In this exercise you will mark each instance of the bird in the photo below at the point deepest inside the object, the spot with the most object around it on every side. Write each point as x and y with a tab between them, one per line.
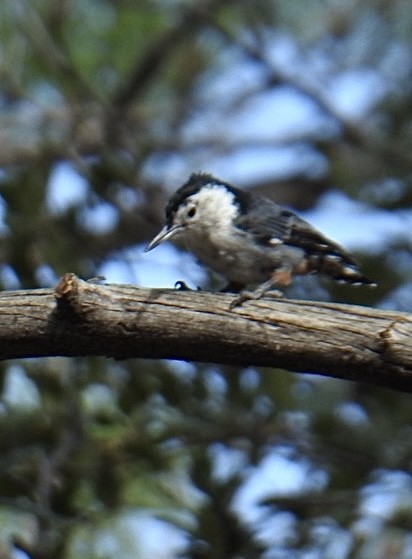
249	239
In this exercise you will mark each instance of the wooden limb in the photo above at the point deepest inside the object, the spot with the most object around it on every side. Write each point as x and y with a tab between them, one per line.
79	318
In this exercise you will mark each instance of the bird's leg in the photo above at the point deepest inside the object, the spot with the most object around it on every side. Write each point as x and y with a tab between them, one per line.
281	277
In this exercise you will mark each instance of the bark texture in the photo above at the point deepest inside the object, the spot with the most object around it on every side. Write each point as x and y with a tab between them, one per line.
78	318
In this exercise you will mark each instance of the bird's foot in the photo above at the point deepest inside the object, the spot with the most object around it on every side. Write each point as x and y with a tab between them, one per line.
182	286
258	293
97	279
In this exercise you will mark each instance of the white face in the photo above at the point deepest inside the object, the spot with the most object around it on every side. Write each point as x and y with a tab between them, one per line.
201	217
212	207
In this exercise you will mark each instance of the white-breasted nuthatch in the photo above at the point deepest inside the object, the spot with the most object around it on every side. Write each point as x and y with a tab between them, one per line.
249	239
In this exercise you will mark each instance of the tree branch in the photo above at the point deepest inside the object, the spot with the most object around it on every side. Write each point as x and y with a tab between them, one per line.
160	50
80	318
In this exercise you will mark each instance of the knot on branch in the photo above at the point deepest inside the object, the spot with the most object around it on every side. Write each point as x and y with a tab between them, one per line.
68	296
67	287
395	339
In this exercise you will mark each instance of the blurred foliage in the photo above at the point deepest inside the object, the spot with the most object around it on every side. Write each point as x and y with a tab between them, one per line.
129	97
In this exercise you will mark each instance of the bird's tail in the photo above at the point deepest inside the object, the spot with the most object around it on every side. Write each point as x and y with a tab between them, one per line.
342	268
325	256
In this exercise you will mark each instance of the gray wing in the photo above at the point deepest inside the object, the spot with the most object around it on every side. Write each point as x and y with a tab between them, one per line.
266	220
269	222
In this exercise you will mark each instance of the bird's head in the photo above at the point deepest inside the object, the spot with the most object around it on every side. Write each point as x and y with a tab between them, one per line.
202	204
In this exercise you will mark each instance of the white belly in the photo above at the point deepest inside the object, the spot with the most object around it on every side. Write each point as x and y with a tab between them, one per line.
239	259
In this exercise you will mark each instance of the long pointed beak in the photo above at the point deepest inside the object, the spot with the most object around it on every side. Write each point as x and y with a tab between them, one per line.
165	234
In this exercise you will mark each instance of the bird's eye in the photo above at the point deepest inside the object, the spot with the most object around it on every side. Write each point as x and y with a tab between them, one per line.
191	212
